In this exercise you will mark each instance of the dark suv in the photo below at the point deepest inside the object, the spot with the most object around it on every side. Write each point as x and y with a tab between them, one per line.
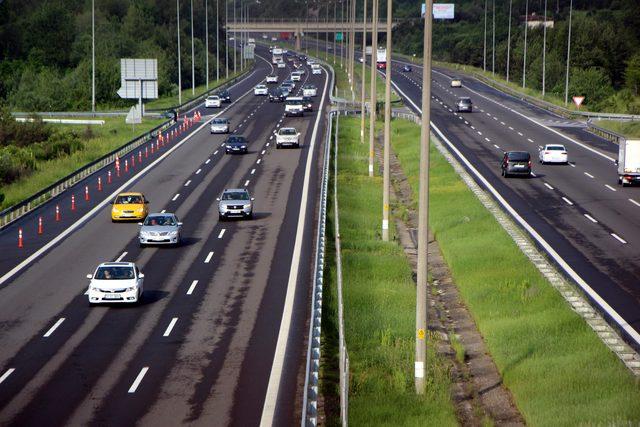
224	95
516	163
464	104
236	144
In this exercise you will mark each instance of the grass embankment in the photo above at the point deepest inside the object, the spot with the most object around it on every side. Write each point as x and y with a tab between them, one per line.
558	370
628	129
379	298
97	140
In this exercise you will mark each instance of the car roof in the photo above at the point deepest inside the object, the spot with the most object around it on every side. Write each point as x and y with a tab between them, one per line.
235	190
517	152
289	128
162	214
117	264
464	98
130	193
554	145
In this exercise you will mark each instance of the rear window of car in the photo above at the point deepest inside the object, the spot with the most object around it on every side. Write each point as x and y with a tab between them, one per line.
519	156
465	100
114	273
287	132
555	148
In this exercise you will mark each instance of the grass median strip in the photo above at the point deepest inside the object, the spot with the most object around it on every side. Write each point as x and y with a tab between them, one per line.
379	296
557	369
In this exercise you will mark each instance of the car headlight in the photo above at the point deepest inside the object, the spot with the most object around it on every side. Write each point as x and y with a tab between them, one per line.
144	233
131	288
94	289
140	209
243	146
173	233
116	209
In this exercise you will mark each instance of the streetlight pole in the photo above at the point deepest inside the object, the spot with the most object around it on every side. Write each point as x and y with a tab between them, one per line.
93	56
235	36
372	117
353	47
226	38
342	31
241	36
364	69
217	41
484	61
206	40
335	20
423	209
326	34
387	130
193	57
509	40
493	49
179	62
566	81
544	49
526	27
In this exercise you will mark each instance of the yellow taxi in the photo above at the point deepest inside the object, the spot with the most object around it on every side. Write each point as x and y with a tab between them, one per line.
129	206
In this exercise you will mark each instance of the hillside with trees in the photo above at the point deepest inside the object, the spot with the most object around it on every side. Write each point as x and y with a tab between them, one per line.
45	49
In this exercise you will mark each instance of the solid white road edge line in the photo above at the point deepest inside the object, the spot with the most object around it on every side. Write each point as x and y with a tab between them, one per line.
167	332
6	374
53	328
108	199
138	379
635	335
271	398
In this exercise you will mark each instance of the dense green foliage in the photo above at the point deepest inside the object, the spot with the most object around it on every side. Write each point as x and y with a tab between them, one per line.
45	49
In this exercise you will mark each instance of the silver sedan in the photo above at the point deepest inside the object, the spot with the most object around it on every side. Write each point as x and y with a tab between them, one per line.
160	229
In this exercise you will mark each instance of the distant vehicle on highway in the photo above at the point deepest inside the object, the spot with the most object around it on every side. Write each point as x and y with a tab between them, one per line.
296	76
407	68
281	65
309	90
456	83
278	94
294	106
129	206
236	144
160	229
628	162
272	78
287	136
274	39
464	104
553	153
213	101
261	90
516	163
225	95
235	203
220	125
115	282
315	69
289	83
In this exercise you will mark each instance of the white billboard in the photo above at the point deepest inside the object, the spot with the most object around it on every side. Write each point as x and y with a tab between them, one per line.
440	10
136	74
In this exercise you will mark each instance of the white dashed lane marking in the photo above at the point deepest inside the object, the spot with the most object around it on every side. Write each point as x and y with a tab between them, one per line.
634	202
138	380
610	187
246	183
221	233
208	258
548	186
124	254
198	171
589	175
186	184
175	197
215	152
208	160
618	238
253	171
53	328
192	287
163	211
167	332
590	218
258	161
6	375
569	202
497	146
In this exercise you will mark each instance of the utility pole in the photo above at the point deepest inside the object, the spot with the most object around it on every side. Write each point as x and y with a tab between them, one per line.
566	81
484	61
179	63
206	40
335	19
326	34
353	48
364	69
217	41
372	117
342	29
235	36
526	27
493	49
544	49
241	36
509	40
386	174
93	57
423	209
193	57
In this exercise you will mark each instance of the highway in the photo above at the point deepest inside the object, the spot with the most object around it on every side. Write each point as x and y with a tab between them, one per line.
200	347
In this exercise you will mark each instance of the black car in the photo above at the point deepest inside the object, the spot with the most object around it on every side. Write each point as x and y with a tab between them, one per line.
236	144
225	96
516	163
277	94
406	68
307	103
464	104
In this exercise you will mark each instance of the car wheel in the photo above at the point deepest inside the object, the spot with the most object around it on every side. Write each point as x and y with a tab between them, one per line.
250	216
278	146
142	245
297	145
221	218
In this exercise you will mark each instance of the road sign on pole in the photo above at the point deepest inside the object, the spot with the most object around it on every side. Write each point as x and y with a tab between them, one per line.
138	80
339	37
578	100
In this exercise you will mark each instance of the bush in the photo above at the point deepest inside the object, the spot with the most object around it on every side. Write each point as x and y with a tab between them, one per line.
14	163
593	83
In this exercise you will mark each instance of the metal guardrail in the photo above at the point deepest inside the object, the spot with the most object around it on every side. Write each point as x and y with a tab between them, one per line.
12	213
604	133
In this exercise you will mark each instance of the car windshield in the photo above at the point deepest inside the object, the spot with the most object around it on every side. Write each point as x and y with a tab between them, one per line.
519	156
288	83
235	195
465	101
129	200
160	220
114	273
555	148
288	131
219	121
294	101
236	140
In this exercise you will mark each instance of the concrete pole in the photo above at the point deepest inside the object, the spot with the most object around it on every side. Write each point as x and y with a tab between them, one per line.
217	40
493	49
484	62
544	50
353	47
364	69
342	32
193	57
423	210
226	37
372	117
509	40
179	63
93	56
387	130
206	40
566	80
335	19
241	35
326	34
526	28
235	37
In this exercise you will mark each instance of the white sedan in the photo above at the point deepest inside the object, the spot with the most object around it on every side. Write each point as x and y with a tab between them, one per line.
553	153
261	90
287	136
456	83
213	101
272	78
115	282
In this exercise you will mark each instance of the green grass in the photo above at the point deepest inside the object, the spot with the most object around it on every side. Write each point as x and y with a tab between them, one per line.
99	141
558	370
379	296
628	129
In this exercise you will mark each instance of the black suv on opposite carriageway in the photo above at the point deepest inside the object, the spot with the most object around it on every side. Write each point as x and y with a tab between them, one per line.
516	163
236	144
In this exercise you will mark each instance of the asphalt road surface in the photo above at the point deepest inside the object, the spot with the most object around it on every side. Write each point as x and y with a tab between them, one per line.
199	348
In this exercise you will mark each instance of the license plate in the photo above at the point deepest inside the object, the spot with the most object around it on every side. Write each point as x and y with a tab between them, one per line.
111	296
518	166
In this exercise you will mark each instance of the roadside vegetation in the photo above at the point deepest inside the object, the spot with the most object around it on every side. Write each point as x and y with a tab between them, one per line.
557	369
379	298
628	129
35	155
